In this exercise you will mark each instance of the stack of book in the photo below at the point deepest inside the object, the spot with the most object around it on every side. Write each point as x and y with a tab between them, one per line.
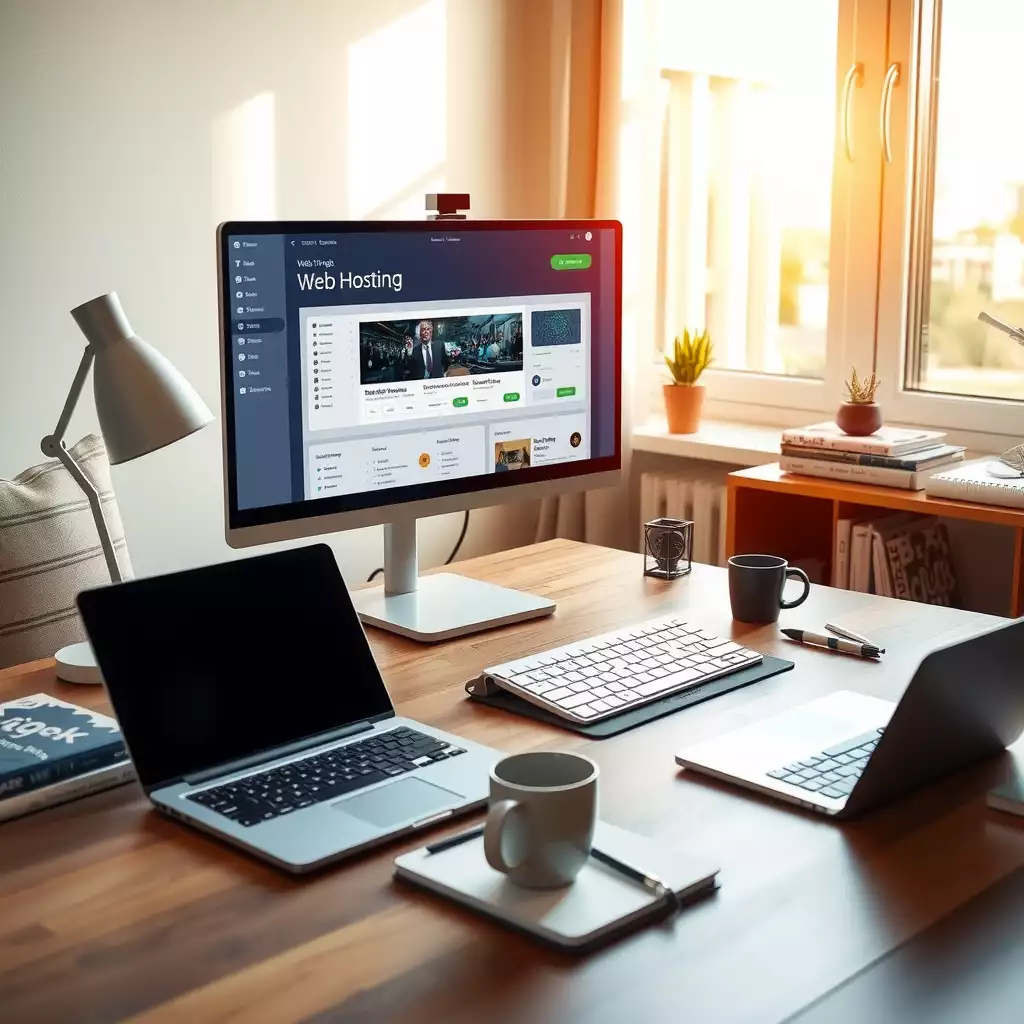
52	751
890	457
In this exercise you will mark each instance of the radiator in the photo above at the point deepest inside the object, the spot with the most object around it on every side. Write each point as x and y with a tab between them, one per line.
681	497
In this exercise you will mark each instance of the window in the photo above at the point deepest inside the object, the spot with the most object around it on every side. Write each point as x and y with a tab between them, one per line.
757	190
843	183
953	232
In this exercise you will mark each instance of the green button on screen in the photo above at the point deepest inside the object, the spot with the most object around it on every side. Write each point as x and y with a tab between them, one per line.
511	396
460	402
565	392
571	261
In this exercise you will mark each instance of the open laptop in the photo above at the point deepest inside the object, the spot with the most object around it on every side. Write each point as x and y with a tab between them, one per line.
847	753
253	710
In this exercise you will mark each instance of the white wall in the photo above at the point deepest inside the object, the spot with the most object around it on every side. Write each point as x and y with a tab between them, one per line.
130	128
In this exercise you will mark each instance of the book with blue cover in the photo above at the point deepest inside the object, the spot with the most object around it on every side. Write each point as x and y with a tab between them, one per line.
44	739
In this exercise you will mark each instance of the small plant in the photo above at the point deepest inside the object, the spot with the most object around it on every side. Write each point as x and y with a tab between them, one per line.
862	392
690	358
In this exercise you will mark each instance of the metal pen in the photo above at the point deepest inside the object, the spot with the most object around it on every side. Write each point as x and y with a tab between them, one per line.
848	634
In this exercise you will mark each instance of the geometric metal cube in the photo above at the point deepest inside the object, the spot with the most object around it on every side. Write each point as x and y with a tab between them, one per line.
668	548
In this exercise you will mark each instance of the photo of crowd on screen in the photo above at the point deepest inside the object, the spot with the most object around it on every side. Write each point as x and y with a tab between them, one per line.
448	346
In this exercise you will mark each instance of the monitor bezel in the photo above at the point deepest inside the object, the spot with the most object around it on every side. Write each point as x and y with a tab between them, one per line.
314	517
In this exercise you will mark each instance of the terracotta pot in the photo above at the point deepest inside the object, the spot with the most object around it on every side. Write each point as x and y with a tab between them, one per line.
683	403
859	420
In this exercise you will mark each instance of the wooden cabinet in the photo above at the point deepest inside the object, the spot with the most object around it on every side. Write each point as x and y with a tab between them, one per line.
795	516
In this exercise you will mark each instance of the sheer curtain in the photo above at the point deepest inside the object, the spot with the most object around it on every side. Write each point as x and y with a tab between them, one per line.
603	146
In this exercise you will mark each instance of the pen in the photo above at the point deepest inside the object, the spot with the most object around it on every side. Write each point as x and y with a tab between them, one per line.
848	634
650	882
805	636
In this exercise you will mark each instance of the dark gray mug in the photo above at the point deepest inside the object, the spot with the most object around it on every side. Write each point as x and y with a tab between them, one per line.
755	587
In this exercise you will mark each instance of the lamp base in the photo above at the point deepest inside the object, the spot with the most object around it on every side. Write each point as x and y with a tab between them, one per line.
77	664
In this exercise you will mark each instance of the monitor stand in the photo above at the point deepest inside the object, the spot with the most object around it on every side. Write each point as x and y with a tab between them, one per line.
439	606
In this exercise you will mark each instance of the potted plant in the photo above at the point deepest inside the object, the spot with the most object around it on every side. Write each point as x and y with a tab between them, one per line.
684	397
860	415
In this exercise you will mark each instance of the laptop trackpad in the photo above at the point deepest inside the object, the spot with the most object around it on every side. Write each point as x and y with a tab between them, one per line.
405	800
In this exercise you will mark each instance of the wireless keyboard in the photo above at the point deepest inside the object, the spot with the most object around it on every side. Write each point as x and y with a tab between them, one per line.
612	673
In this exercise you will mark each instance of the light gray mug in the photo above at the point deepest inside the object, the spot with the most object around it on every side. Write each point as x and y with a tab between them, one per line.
540	825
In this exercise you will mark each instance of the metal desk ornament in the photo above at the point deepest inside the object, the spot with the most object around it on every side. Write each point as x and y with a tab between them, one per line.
668	547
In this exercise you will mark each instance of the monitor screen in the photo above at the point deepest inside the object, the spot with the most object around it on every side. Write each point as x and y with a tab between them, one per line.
371	363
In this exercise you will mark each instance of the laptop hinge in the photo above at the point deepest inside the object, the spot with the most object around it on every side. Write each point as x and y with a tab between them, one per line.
274	753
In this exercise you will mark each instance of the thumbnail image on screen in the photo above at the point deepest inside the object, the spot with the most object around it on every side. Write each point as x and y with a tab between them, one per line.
512	455
555	327
449	346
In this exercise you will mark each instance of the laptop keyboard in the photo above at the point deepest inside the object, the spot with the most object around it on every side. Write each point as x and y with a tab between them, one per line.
609	674
290	787
833	772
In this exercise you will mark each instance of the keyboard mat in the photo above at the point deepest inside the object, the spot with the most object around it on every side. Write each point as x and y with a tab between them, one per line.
637	716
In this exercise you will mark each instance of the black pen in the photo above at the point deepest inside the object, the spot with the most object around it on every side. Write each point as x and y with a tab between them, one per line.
805	636
652	883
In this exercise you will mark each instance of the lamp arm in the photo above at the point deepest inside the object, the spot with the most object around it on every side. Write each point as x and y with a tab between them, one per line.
53	447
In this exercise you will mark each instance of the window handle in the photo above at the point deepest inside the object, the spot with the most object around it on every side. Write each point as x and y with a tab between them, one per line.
854	79
892	78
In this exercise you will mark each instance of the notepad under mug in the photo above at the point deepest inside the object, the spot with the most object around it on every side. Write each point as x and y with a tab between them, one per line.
599	906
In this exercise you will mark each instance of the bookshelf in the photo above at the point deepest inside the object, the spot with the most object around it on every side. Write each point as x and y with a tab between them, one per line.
795	516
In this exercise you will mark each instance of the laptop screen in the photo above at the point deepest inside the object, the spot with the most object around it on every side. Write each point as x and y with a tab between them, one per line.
215	664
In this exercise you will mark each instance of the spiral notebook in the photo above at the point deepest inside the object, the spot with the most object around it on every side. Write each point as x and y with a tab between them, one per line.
986	481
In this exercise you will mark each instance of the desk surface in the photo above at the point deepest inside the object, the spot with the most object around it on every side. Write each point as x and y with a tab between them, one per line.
108	910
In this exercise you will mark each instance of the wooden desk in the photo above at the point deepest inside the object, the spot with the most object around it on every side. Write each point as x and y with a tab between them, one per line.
108	910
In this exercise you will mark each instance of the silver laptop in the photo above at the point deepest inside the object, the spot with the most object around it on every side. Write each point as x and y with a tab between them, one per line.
253	709
847	753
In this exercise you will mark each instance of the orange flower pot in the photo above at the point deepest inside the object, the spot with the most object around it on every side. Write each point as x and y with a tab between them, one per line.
683	405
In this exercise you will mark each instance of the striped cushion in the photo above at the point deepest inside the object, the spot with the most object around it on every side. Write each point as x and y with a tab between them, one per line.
50	550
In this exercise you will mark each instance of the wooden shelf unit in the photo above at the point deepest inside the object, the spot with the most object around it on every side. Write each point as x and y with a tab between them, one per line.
795	516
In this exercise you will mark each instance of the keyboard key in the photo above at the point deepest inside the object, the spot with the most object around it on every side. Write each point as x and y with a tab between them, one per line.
581	687
614	700
572	677
851	744
646	677
600	705
812	784
830	777
615	686
833	792
828	765
575	700
810	762
557	695
778	773
600	691
849	771
584	711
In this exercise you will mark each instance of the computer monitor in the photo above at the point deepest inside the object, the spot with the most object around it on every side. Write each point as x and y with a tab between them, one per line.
374	372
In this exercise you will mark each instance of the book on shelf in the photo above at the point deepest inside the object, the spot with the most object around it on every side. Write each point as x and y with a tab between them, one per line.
841	557
889	441
927	458
899	555
903	479
985	481
44	740
72	788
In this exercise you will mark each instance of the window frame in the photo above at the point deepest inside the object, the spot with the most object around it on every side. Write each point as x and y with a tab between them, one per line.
853	247
905	241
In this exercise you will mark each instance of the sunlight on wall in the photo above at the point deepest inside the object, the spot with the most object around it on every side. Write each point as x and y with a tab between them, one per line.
397	119
244	178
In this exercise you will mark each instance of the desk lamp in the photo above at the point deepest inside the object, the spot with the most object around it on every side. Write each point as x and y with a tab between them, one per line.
143	404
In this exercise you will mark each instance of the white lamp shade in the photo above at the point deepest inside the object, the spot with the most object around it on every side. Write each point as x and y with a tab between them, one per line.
143	402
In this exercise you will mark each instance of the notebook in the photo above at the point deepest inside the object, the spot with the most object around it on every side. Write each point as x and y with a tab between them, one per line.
601	905
986	481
